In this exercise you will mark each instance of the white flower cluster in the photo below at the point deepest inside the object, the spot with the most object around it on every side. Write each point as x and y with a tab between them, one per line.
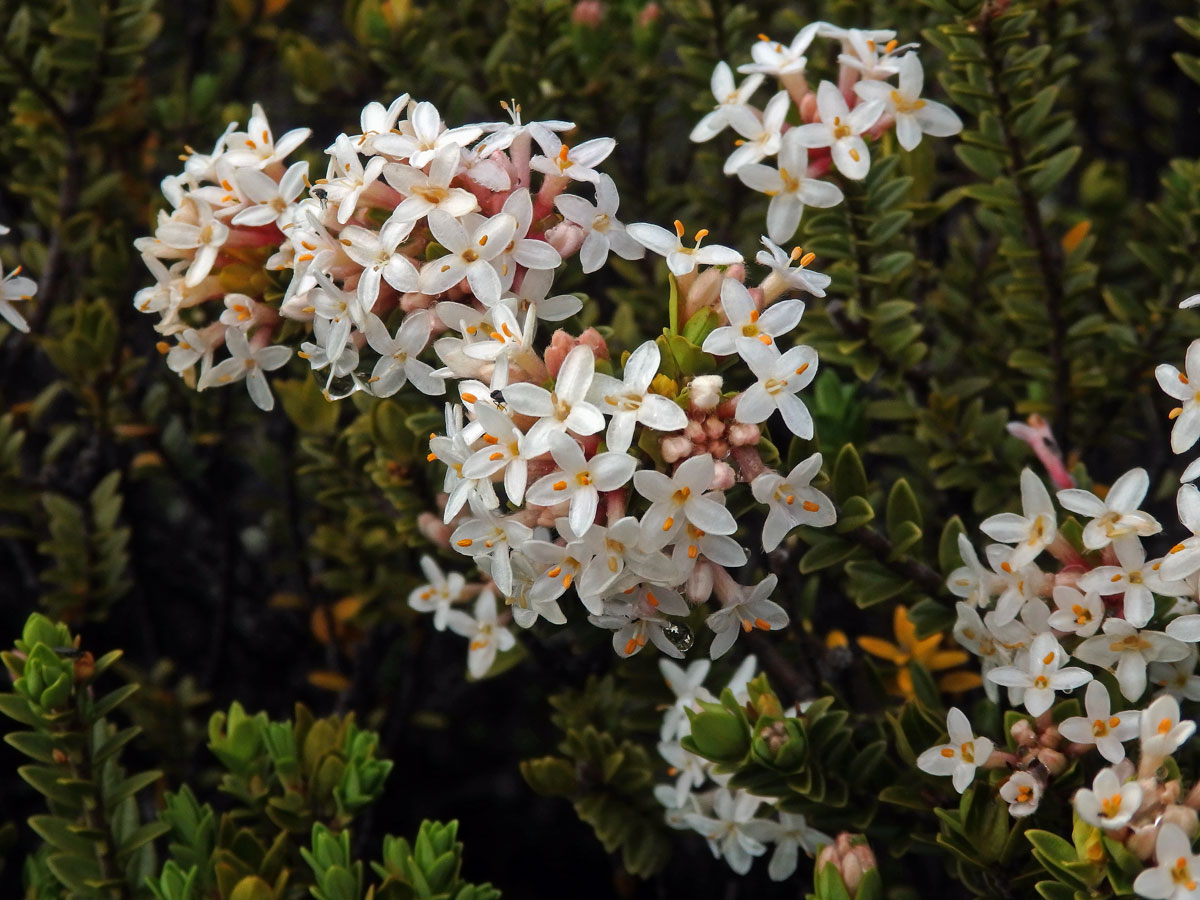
230	212
738	825
1111	608
14	288
836	118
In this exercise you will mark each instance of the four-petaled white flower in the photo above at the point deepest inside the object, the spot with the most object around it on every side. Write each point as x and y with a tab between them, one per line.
1177	871
1031	532
1117	514
577	163
471	254
761	134
1100	726
1130	651
1179	385
681	259
790	834
256	146
491	536
792	501
566	408
424	193
682	497
1133	579
483	630
789	187
628	400
913	115
688	687
785	275
729	96
579	481
377	253
604	233
15	288
1022	792
398	361
1076	613
781	60
840	129
1109	804
1042	675
425	136
753	610
1161	731
959	758
727	829
248	364
780	376
438	595
272	200
206	236
745	321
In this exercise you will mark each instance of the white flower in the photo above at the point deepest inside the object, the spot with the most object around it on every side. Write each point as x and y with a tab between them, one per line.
424	193
761	135
1017	586
206	237
579	481
438	594
558	566
256	147
492	536
1130	651
681	259
1042	675
1179	679
729	96
352	179
792	501
273	200
250	365
501	135
471	254
913	115
1177	870
693	543
641	619
1076	613
1100	726
1033	531
780	376
629	399
789	187
688	687
752	611
377	253
682	497
1183	559
192	346
532	253
690	771
532	295
1109	804
577	163
745	321
505	447
425	136
566	408
526	610
1117	514
785	275
376	120
15	288
971	581
959	758
1162	732
773	58
1133	580
487	637
1022	793
726	829
789	835
840	128
398	361
603	232
1179	385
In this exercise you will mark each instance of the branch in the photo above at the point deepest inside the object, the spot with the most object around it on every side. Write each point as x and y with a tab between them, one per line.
907	567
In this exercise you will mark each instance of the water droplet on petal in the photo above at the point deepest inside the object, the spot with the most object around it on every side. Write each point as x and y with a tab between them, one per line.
679	635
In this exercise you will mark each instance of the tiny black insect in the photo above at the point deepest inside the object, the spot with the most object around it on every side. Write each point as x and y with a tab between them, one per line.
498	396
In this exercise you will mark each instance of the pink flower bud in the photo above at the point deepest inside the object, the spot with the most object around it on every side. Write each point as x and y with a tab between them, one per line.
723	476
650	13
675	448
566	238
694	431
704	391
589	13
1141	842
699	585
561	344
851	856
705	291
742	435
594	339
433	529
1183	816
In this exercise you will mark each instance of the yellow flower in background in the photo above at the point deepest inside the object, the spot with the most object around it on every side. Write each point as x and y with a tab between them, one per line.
928	652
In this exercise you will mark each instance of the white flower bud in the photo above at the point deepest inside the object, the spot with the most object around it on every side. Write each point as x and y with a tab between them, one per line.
705	391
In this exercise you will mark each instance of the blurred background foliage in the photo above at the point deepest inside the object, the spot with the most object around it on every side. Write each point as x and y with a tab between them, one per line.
1031	265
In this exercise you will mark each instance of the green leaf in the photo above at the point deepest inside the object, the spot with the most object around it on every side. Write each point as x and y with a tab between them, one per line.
902	506
849	477
1054	170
